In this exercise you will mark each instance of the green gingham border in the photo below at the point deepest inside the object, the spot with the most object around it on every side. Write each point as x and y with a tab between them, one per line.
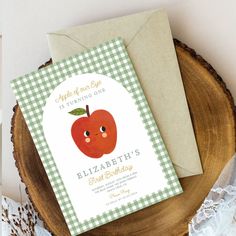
32	90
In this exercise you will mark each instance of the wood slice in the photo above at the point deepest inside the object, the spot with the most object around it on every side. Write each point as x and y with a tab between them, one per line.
212	111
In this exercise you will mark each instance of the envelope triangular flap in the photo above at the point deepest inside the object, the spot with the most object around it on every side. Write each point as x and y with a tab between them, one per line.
84	35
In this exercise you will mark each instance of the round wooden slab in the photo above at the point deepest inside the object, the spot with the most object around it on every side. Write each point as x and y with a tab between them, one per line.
212	112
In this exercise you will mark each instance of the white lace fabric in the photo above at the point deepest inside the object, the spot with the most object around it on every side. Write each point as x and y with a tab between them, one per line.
217	214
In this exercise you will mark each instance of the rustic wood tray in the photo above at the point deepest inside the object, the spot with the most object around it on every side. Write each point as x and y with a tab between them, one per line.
212	111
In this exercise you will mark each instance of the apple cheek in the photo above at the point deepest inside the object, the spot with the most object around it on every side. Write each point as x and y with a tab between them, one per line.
87	140
104	135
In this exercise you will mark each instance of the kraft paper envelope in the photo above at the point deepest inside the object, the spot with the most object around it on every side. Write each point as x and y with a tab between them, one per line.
148	39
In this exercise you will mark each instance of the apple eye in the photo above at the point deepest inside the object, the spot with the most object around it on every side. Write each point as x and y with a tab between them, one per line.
86	133
102	129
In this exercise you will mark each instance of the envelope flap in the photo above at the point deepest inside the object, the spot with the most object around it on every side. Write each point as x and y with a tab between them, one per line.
126	26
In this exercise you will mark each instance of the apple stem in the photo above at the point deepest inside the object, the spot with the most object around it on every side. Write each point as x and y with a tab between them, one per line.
87	110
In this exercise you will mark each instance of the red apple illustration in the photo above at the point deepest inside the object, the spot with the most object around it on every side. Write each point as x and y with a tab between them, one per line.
96	134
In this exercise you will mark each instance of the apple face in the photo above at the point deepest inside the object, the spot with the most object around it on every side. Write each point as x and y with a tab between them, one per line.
96	134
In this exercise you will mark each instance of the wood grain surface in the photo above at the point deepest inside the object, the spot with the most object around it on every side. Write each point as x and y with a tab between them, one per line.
212	112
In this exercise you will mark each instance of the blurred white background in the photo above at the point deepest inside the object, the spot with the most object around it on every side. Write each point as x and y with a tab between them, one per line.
208	26
0	98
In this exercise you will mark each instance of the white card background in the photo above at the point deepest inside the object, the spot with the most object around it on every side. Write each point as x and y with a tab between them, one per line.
131	136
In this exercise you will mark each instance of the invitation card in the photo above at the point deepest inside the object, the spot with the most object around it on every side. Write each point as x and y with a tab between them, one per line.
96	136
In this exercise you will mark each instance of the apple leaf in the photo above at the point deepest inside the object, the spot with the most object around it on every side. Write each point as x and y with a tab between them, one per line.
78	112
